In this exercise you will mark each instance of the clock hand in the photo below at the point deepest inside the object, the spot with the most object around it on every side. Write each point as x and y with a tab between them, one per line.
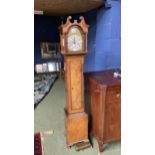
74	39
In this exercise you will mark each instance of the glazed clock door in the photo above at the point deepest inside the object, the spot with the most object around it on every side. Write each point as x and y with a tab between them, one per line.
75	39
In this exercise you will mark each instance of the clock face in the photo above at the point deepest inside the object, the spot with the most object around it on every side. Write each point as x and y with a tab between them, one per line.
74	40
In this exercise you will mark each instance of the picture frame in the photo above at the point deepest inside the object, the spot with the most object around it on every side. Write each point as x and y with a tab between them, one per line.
52	67
45	67
49	50
39	68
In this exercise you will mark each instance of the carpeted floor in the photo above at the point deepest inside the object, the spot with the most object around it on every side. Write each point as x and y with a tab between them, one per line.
42	87
49	115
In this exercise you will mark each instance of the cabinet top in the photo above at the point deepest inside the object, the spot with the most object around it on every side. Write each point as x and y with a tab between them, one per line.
105	77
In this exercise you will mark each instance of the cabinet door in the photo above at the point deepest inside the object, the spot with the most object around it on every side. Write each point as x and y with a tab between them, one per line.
113	114
74	84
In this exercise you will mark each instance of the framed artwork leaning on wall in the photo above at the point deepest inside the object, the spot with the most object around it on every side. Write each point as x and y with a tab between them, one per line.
49	50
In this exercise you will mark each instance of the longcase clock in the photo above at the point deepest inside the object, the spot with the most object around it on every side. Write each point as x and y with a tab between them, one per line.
73	41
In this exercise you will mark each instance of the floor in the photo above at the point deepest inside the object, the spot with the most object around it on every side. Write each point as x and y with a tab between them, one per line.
49	116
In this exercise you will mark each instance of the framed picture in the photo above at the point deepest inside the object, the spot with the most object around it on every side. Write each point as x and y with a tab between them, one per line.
52	67
45	68
49	50
39	68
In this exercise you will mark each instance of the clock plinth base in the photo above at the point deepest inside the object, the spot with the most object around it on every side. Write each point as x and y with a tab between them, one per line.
76	128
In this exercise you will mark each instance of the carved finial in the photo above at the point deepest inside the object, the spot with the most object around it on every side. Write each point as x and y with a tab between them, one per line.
83	21
68	19
82	18
75	21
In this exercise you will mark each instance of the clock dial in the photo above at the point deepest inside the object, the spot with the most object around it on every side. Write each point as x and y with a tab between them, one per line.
74	40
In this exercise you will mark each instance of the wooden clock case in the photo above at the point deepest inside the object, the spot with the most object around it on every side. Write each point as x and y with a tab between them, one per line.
76	120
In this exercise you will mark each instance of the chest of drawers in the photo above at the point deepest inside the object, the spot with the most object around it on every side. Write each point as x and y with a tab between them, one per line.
105	102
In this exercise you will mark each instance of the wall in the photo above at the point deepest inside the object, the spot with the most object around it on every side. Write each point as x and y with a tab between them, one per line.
104	37
45	30
90	19
108	37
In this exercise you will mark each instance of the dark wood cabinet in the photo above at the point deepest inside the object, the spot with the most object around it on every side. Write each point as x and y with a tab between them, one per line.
105	99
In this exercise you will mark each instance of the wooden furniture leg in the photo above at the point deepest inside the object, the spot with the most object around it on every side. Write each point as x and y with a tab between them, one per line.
101	146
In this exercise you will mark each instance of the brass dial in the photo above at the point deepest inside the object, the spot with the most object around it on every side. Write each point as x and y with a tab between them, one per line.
74	40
